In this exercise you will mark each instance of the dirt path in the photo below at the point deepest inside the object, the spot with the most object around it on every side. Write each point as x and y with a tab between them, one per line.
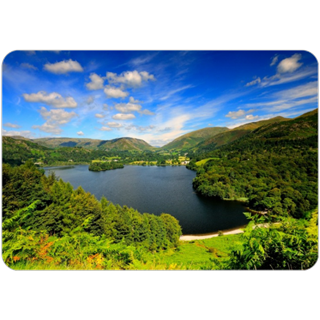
189	237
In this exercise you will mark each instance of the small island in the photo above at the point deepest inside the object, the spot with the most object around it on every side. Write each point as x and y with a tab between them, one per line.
105	165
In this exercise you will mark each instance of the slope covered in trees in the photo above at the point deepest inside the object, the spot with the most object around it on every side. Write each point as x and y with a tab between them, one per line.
274	166
45	220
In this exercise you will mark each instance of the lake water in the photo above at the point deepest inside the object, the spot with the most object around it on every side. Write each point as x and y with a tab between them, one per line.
157	190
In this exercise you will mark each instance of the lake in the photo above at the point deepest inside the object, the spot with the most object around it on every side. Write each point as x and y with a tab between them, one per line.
157	190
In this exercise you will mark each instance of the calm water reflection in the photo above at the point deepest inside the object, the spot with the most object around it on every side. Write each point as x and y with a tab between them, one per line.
156	190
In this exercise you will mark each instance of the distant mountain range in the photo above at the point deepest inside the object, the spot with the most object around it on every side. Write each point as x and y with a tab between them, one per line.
199	141
119	144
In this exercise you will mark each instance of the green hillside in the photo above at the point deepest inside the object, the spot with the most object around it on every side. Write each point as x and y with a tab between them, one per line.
191	139
274	166
120	144
17	150
123	144
233	134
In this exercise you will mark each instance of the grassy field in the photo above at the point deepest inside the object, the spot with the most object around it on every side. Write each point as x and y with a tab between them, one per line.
194	254
203	161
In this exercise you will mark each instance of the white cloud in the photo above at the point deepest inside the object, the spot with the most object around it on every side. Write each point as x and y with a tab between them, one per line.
289	64
251	117
63	67
105	129
140	128
253	82
172	92
55	118
99	115
236	114
146	112
113	92
96	82
131	79
127	107
274	60
28	66
80	133
49	128
132	100
105	106
132	107
122	116
114	124
90	99
11	125
53	99
305	94
305	90
27	134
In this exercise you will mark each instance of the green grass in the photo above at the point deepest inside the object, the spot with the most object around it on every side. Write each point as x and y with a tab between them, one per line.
194	254
203	161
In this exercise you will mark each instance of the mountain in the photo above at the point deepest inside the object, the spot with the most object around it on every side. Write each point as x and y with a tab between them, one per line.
15	150
233	134
120	144
191	139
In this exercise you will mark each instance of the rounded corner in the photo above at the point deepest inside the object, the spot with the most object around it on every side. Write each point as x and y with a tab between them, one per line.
11	269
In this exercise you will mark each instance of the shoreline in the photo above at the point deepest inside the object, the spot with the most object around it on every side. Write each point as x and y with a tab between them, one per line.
190	237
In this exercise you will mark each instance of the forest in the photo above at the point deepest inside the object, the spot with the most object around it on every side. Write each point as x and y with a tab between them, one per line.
46	224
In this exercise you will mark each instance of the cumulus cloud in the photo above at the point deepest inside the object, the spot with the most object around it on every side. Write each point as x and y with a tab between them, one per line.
132	100
122	116
53	99
289	64
27	134
105	106
99	115
114	124
105	129
54	119
127	107
131	79
132	107
63	67
11	125
49	128
96	82
80	133
113	92
251	117
236	114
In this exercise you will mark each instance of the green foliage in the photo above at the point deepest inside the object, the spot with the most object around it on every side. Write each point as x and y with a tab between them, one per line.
103	166
275	167
288	245
50	225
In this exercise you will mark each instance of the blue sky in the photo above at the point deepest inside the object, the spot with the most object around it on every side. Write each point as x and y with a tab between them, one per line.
152	95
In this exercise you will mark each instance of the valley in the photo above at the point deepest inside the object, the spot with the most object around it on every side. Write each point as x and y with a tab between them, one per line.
270	166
